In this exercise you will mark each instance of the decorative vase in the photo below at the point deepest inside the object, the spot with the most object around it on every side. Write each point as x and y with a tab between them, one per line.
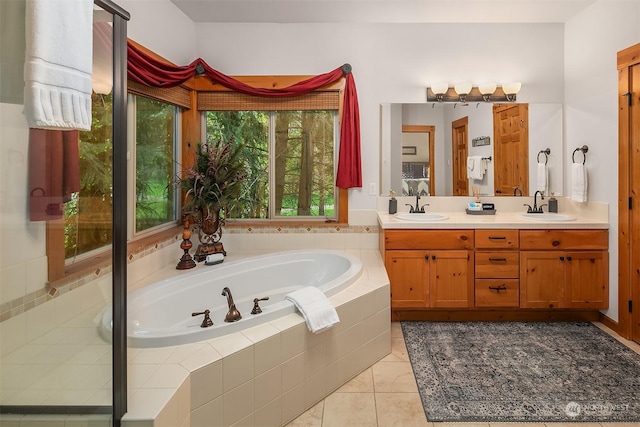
209	226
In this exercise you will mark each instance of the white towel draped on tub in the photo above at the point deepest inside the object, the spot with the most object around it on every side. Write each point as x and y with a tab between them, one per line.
58	62
542	178
578	182
315	307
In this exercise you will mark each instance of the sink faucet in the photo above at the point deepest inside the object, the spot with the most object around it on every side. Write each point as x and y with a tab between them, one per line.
517	190
233	315
537	209
418	208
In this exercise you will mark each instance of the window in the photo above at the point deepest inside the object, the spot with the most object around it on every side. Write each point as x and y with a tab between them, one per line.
290	161
153	201
155	165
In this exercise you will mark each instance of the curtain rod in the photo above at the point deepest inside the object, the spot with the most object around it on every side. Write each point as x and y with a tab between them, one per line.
113	8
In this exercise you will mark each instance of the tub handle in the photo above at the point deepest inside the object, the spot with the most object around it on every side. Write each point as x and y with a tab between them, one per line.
206	322
256	306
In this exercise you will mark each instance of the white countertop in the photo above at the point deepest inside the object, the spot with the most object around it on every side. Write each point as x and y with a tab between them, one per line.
499	220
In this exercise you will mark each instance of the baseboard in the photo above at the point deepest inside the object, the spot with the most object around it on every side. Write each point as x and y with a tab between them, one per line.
610	323
515	315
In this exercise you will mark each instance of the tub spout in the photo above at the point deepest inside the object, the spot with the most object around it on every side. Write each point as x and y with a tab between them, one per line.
233	315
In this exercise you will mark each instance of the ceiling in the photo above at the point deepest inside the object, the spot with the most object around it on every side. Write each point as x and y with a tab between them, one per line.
382	11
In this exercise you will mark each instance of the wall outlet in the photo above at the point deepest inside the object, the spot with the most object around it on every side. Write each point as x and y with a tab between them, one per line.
372	189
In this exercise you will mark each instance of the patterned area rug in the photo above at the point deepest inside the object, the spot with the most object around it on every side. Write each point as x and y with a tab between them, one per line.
522	372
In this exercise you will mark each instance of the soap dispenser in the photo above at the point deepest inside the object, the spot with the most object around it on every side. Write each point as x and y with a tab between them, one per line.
553	204
393	202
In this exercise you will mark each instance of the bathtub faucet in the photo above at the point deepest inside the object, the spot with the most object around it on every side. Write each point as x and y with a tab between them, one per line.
233	315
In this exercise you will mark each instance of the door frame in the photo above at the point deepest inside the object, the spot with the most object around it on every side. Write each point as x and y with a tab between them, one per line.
628	218
431	130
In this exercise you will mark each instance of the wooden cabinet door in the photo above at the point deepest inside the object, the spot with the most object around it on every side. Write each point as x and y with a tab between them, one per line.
541	279
451	280
409	276
586	279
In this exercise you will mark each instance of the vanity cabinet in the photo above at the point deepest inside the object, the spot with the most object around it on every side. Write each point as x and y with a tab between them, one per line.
429	268
497	268
564	269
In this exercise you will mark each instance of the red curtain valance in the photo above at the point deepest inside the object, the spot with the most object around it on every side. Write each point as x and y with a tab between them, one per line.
147	70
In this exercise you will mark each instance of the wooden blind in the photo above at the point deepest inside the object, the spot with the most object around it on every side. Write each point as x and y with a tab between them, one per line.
233	101
178	96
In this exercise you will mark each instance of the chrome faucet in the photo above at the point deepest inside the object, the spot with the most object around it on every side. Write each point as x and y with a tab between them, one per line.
233	315
418	208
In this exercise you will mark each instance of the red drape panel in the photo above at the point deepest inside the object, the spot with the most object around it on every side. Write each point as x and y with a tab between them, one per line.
149	71
53	172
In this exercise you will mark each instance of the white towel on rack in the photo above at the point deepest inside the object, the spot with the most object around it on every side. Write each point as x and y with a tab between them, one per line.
476	167
578	182
542	178
58	62
315	307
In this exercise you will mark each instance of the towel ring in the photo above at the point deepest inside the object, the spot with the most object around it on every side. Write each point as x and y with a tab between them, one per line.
546	155
584	150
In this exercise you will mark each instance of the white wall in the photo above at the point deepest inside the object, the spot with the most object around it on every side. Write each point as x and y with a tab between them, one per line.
160	26
592	40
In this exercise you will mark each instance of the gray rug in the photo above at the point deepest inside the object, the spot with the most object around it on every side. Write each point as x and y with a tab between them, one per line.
522	372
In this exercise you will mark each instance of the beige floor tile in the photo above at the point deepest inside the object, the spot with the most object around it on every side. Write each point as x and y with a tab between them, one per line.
466	424
362	383
311	418
398	351
394	377
349	410
396	330
400	410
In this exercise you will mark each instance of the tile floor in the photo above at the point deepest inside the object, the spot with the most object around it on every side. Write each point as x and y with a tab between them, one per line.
386	395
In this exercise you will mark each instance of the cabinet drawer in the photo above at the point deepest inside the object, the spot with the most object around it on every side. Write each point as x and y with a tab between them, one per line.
497	292
496	265
564	239
496	239
428	239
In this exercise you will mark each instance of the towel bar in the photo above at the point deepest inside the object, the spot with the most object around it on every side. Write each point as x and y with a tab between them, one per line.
584	150
546	155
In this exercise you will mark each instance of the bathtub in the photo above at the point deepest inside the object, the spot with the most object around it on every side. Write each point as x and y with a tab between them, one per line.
159	315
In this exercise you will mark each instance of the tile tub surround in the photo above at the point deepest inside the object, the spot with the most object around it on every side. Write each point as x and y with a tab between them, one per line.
266	375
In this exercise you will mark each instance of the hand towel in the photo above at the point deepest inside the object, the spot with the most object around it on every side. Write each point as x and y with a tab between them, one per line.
58	61
542	178
476	167
578	182
315	307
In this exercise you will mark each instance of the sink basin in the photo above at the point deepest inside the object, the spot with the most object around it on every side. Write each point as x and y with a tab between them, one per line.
420	217
552	217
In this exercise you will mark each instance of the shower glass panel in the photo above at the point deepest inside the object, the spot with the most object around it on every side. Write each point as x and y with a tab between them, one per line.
57	275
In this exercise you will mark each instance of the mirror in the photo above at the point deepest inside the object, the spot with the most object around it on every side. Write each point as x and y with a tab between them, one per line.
403	171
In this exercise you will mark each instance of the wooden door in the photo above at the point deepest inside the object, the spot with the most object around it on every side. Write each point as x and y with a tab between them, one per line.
511	150
541	279
586	277
451	280
459	142
628	187
408	275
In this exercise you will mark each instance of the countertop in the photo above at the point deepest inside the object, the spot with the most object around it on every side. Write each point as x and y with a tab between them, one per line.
499	220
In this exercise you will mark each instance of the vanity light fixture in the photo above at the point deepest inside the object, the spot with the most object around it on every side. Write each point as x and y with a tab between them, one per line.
466	92
462	89
439	90
486	90
511	90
